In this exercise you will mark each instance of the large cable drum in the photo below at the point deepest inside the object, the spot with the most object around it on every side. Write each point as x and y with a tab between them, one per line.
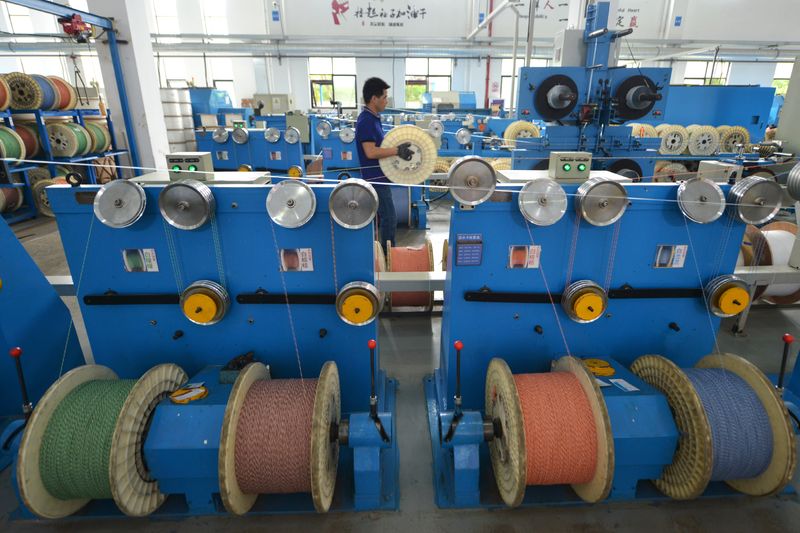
423	159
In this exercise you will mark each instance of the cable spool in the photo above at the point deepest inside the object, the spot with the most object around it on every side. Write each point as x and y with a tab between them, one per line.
291	203
29	134
542	201
358	303
280	436
701	200
703	140
722	130
99	137
186	204
84	140
601	201
419	168
554	430
472	180
37	174
120	203
410	259
84	441
25	92
353	203
501	163
755	200
733	426
670	171
584	301
50	95
643	130
727	296
67	95
11	199
5	94
635	97
39	193
772	246
520	129
64	140
442	165
674	139
734	136
205	302
105	169
627	168
12	145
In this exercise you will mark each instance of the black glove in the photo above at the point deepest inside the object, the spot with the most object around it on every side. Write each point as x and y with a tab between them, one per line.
404	151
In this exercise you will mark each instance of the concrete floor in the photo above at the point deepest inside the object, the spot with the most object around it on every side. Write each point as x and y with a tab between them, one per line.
410	346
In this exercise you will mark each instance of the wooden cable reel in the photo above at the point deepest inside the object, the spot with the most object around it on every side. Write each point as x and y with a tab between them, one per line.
422	163
520	129
643	130
670	171
410	259
25	92
501	163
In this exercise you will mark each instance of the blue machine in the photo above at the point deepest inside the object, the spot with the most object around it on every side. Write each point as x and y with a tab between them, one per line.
295	338
259	149
466	101
208	101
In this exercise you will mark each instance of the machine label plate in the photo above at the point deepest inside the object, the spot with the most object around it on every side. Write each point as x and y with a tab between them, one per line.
670	256
469	249
275	156
136	260
524	256
297	260
347	156
624	385
327	153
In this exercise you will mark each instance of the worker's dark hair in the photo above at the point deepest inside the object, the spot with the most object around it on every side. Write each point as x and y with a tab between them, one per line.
373	87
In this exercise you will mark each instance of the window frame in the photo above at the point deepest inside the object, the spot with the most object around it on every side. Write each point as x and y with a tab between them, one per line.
708	80
331	79
782	90
231	94
416	80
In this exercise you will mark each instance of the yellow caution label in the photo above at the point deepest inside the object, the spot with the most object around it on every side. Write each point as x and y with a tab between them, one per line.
200	308
599	367
733	300
588	306
357	308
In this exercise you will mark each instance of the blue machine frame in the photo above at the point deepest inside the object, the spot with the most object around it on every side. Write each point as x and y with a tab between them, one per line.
257	153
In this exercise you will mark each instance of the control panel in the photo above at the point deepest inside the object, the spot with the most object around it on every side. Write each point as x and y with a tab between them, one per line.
195	165
570	165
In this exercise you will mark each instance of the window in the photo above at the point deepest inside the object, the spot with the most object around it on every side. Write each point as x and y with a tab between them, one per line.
706	73
783	72
227	85
176	84
507	73
426	75
332	79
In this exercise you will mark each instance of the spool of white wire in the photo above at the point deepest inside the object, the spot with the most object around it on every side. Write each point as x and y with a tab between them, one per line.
780	242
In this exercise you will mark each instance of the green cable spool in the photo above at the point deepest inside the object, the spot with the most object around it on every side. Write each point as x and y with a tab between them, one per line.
74	460
99	140
84	144
10	145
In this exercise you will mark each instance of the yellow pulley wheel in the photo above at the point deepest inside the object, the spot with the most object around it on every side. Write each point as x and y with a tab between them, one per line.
727	296
584	301
200	308
295	172
733	300
588	306
205	302
357	308
358	303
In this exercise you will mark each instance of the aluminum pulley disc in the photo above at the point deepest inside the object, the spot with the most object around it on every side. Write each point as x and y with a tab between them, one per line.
347	135
240	135
472	180
703	140
701	200
323	128
272	135
463	136
756	200
542	201
601	201
423	159
792	182
186	204
291	135
353	203
220	135
120	203
291	203
436	129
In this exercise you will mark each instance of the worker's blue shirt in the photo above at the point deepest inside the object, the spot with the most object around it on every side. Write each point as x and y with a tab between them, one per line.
369	129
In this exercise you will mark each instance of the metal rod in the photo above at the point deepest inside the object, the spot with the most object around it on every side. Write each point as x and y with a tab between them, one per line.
787	341
480	27
458	346
373	398
123	100
531	21
511	104
27	406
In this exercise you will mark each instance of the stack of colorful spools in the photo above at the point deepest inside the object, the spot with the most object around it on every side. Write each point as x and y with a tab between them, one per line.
29	92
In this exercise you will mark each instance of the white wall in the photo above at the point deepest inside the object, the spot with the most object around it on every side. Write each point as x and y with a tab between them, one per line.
752	74
390	70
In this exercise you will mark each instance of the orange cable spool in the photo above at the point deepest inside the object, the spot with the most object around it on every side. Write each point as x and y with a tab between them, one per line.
62	91
5	95
410	259
29	137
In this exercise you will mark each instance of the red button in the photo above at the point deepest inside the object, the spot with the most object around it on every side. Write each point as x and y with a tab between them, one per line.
458	345
15	352
372	344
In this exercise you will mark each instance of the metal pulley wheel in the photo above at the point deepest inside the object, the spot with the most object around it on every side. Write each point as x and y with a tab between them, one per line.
463	136
120	203
727	296
601	201
701	200
205	302
542	201
472	180
291	135
323	128
584	301
348	135
240	135
272	135
358	303
353	203
793	182
703	140
674	139
423	158
436	129
186	204
291	203
220	135
755	200
556	97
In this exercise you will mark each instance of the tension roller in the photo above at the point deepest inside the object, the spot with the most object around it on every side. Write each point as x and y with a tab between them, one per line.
727	296
601	201
186	204
732	423
423	159
84	442
120	203
205	302
549	429
755	200
358	303
221	135
472	180
584	301
542	201
291	204
353	203
701	200
280	436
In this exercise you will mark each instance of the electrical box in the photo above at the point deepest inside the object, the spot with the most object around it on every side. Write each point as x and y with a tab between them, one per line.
185	165
569	50
719	171
570	165
273	103
299	120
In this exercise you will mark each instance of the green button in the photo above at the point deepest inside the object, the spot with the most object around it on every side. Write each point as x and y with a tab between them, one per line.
567	167
581	167
176	168
192	168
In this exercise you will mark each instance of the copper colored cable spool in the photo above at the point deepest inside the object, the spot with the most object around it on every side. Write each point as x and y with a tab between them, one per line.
755	251
280	436
30	137
5	95
519	257
410	259
10	199
67	95
555	430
